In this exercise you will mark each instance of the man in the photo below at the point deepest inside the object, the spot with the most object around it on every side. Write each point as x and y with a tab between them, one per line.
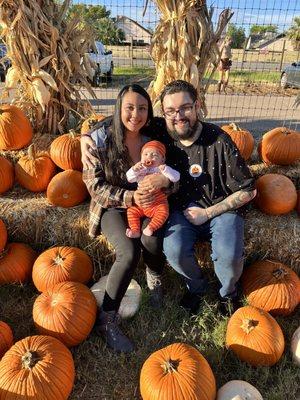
215	182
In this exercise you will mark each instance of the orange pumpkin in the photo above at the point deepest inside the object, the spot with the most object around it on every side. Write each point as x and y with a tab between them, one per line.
276	194
65	151
3	235
15	128
6	338
37	367
16	263
177	372
6	175
67	311
271	286
90	122
255	336
34	171
280	146
61	264
242	138
67	189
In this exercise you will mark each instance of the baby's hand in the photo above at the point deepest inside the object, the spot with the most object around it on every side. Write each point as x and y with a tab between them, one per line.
162	167
138	166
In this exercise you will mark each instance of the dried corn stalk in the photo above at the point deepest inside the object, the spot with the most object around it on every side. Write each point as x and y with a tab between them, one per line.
48	65
184	45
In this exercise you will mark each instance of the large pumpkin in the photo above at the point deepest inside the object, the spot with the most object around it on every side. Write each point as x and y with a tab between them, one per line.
276	194
295	346
90	122
16	263
67	189
177	372
255	336
242	138
3	235
15	128
6	338
280	146
6	175
67	311
65	151
238	390
37	368
272	286
34	171
61	264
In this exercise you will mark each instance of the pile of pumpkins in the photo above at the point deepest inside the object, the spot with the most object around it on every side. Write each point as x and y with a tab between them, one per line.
36	171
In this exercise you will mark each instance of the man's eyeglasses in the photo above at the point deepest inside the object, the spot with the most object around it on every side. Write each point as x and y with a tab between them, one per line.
184	110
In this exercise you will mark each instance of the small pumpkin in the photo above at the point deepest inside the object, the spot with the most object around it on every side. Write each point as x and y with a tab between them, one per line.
16	263
177	372
61	264
242	138
255	336
295	346
35	170
238	390
15	128
37	367
90	122
130	302
276	194
67	189
271	286
6	338
6	175
280	146
66	311
65	151
3	235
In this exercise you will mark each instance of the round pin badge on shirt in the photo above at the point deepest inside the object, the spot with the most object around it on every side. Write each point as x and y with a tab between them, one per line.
195	170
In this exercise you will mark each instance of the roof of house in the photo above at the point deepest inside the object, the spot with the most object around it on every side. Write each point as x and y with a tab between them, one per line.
123	17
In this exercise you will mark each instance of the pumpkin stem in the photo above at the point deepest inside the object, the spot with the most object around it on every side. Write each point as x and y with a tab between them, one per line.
31	152
279	273
59	260
72	133
234	126
248	325
29	359
170	366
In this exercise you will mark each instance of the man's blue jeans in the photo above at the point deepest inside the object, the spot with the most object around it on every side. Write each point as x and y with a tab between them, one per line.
226	235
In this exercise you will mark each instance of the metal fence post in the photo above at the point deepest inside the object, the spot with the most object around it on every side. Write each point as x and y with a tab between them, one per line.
282	55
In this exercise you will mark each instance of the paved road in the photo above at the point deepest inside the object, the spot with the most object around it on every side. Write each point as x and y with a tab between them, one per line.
237	65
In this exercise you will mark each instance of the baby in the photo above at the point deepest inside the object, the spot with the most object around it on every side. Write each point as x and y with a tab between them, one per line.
152	162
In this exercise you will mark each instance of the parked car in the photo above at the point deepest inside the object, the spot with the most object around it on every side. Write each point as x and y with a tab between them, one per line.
4	65
290	76
103	62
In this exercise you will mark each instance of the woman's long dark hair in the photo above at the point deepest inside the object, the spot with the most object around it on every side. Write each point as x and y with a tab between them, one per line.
118	160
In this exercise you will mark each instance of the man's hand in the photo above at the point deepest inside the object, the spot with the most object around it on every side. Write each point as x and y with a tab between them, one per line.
142	198
152	183
196	215
87	144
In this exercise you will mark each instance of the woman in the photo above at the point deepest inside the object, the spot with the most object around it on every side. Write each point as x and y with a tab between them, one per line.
119	142
225	64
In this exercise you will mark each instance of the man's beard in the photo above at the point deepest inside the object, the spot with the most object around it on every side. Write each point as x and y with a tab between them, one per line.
188	134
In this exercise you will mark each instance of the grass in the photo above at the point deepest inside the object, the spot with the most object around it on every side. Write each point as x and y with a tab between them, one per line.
101	374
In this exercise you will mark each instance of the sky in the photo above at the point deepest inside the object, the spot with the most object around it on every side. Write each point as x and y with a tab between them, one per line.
246	12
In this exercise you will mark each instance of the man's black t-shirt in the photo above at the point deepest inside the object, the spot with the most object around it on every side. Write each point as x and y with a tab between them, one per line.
210	169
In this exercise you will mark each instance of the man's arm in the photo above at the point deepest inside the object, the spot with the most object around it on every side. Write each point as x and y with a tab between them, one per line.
198	215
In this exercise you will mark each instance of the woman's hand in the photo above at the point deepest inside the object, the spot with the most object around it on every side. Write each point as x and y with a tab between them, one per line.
152	183
87	144
143	199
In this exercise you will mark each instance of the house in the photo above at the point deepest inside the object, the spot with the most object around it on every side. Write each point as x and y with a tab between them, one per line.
133	31
273	42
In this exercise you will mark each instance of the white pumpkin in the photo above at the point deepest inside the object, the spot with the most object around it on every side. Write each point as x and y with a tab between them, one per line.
295	346
130	302
238	390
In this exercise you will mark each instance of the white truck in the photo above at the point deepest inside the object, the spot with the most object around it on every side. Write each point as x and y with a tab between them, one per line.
101	62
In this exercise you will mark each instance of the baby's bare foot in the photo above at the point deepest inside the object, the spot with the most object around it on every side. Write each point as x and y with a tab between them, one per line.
133	234
148	231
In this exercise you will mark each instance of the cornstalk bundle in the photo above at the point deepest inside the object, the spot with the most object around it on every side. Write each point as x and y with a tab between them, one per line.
48	63
184	45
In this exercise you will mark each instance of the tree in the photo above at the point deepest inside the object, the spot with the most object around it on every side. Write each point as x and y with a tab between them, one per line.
261	29
294	33
98	17
238	36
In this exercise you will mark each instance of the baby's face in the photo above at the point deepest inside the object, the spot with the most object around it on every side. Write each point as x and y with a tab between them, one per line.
151	157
